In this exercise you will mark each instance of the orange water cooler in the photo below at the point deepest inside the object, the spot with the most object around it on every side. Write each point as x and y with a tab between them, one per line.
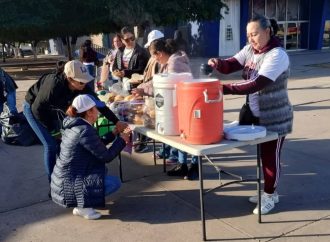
200	109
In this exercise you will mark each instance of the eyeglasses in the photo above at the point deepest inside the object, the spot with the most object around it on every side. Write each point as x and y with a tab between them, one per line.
129	38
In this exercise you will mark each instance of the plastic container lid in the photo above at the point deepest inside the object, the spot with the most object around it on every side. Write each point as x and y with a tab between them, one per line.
245	132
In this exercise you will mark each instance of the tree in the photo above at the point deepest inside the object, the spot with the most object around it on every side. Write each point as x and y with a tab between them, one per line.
36	20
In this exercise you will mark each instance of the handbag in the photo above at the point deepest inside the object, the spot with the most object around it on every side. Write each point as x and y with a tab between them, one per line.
246	116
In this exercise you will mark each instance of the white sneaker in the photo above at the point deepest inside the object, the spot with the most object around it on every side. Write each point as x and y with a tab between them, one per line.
254	199
87	213
267	204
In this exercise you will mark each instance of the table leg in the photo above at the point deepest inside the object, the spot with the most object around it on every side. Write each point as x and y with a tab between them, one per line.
201	195
259	183
154	150
164	158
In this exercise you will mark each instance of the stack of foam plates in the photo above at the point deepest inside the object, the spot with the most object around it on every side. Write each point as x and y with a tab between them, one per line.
245	132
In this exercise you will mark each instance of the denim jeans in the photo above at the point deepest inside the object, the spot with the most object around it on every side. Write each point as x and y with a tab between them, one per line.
176	155
111	184
169	153
182	158
11	102
47	140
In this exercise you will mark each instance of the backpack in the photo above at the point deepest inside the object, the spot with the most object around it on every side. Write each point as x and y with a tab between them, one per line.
15	129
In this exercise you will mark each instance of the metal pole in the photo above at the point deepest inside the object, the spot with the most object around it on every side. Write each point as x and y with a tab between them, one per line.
164	158
259	183
154	150
201	195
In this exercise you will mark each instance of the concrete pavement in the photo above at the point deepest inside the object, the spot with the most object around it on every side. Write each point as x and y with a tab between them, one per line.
153	207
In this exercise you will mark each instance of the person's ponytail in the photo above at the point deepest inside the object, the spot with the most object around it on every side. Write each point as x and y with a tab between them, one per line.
71	111
171	46
274	26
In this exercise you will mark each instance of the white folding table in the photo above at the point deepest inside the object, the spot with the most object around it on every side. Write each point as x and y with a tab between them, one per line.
206	150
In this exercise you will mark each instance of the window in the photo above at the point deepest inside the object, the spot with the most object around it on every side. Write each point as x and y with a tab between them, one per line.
292	10
281	7
281	33
304	7
293	19
292	36
259	7
271	9
229	33
326	34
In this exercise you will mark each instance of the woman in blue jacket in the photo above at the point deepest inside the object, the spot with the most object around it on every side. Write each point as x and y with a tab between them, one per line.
79	177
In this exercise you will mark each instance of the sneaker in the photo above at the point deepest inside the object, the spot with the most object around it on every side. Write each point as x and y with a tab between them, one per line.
141	148
254	199
267	204
179	170
193	172
87	213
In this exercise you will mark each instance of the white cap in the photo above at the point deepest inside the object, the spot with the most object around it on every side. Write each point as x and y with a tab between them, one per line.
153	35
83	103
77	71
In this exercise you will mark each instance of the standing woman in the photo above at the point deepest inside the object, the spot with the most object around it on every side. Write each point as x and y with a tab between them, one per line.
173	60
130	59
79	178
88	57
109	59
265	66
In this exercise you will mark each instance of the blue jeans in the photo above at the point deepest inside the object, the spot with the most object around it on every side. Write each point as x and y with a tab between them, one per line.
176	155
169	153
11	102
47	140
182	158
111	184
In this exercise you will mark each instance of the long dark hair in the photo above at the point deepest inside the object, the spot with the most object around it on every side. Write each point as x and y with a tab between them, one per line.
265	23
118	36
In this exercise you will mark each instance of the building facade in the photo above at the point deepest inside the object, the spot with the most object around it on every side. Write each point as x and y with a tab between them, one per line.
303	25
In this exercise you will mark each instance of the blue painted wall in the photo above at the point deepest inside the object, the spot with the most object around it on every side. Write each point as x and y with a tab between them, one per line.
317	20
244	20
169	32
210	38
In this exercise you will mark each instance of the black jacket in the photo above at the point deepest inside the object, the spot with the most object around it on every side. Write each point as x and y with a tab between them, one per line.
51	95
137	63
78	176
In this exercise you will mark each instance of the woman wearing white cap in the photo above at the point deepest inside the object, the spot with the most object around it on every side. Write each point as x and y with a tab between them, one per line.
152	68
146	87
51	95
79	178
